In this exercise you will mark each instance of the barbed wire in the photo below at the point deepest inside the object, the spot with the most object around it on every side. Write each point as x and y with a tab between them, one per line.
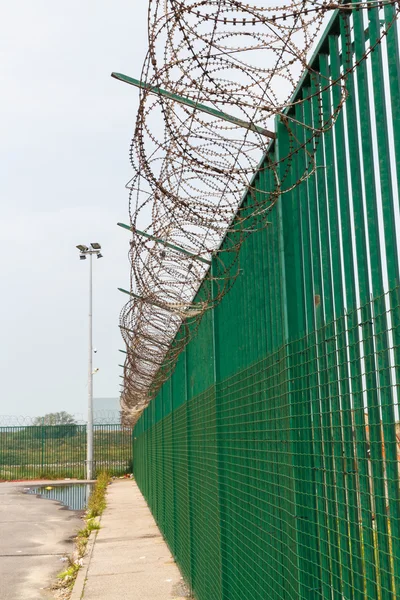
228	70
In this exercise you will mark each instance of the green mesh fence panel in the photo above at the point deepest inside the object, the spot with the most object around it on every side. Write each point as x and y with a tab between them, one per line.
270	459
272	486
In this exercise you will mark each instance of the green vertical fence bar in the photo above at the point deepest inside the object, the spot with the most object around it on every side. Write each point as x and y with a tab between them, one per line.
353	330
223	575
392	263
346	296
189	474
270	399
374	413
300	424
160	453
274	300
313	316
278	360
313	117
168	476
181	490
393	59
318	366
325	315
336	289
173	539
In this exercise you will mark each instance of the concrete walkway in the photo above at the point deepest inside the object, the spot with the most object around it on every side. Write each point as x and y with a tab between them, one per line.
130	559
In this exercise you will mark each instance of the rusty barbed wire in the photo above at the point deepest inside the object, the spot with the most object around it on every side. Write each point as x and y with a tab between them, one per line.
191	168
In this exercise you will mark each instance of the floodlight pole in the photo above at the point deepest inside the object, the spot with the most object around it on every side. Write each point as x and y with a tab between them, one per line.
89	456
84	251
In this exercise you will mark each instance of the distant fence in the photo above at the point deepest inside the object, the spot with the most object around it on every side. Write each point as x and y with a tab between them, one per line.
60	451
270	457
100	417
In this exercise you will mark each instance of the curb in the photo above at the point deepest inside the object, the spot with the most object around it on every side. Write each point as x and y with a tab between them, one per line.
80	581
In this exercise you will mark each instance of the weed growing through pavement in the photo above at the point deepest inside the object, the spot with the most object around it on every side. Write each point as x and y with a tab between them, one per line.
96	506
97	500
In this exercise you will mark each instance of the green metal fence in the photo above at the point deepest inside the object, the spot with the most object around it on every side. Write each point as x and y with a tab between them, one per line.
60	451
270	457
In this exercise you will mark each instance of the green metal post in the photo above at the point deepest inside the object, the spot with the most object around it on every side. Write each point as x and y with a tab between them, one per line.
219	444
313	291
346	296
374	417
191	499
326	315
300	422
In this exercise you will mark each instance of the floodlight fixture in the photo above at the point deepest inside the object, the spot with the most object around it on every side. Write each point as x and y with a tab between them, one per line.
82	257
99	255
95	246
82	248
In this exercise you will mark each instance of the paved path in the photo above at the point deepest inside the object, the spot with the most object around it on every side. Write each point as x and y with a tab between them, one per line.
130	560
34	535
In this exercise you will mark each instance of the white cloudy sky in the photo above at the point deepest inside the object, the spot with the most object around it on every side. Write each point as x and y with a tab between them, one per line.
65	129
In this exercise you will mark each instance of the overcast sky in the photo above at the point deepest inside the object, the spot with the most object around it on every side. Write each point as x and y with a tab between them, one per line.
65	129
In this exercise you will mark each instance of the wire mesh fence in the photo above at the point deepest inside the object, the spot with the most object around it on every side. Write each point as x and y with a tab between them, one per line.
270	458
59	451
282	480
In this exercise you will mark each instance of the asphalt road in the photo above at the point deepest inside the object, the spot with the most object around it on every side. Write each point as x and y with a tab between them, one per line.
35	534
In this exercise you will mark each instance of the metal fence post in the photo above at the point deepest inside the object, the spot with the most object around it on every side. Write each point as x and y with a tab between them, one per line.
301	426
219	440
191	503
